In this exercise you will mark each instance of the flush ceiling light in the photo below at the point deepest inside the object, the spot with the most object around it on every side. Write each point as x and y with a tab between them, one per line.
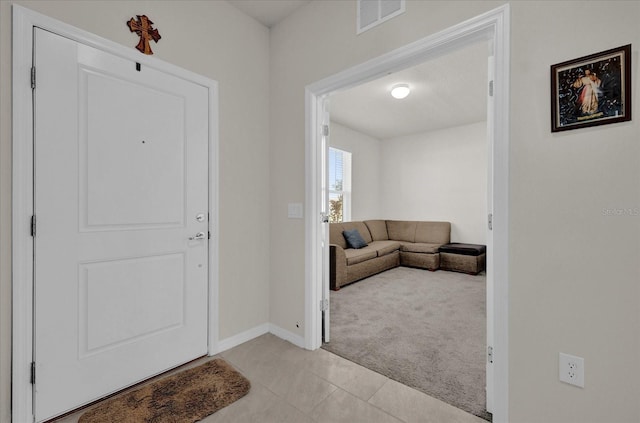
400	91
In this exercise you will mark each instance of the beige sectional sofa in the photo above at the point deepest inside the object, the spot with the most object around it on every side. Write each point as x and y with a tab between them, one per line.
391	243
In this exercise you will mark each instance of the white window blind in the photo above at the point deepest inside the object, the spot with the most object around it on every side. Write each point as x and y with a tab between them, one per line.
339	185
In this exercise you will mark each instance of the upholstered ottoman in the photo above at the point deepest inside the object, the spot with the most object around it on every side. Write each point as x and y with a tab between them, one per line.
466	258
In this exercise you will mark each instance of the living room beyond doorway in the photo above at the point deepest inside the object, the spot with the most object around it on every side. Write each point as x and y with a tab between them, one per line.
431	173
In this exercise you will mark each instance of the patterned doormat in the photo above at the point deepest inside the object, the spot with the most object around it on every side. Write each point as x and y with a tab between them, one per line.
184	397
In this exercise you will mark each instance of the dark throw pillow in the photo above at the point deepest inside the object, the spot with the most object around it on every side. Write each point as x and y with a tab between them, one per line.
354	239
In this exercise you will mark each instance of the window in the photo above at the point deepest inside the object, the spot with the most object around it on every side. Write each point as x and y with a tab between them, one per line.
339	185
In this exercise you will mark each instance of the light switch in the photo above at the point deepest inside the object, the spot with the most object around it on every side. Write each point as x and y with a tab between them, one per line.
295	211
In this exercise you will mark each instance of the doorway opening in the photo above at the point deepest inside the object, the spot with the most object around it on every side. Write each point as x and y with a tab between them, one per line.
422	158
492	27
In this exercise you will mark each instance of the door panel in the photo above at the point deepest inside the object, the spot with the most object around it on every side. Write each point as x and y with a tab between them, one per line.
151	299
121	171
489	265
324	117
119	134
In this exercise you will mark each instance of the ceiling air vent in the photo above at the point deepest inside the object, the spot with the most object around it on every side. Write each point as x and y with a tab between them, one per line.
374	12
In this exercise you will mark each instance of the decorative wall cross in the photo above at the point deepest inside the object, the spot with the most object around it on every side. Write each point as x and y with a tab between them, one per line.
143	28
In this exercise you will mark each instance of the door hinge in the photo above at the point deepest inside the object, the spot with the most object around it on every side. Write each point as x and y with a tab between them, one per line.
490	221
209	234
490	354
491	88
324	305
33	373
325	130
33	225
33	77
324	217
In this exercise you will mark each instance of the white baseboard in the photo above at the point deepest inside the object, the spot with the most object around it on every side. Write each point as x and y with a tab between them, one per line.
241	338
296	340
248	335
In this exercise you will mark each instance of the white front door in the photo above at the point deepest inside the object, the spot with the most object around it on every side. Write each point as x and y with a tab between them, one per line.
120	187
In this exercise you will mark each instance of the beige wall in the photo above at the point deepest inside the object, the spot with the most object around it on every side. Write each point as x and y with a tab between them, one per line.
574	283
212	39
567	295
438	175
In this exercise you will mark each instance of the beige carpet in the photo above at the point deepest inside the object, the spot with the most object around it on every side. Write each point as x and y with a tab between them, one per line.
424	329
184	397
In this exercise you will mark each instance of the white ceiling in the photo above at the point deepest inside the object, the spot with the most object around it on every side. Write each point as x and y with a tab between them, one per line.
268	12
448	91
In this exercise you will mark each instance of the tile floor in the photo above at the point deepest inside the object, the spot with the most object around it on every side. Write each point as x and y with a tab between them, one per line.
293	385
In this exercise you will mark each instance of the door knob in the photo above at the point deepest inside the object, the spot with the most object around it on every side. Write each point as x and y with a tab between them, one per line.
199	235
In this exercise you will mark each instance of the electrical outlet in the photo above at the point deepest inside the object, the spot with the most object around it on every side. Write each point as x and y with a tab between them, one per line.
572	370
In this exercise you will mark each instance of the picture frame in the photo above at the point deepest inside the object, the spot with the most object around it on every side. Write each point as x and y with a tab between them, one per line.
591	90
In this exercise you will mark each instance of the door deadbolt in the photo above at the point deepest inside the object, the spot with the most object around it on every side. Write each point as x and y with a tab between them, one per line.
200	217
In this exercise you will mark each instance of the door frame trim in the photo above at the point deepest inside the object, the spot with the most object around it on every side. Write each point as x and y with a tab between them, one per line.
24	20
493	25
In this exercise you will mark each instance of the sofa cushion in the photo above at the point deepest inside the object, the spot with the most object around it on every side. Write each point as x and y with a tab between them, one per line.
335	235
433	232
419	247
354	239
358	256
378	229
385	247
361	227
401	230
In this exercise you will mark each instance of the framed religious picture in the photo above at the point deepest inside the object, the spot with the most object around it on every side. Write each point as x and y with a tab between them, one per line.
591	90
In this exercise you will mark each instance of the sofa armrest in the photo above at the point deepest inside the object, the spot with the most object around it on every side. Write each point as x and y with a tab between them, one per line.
337	267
